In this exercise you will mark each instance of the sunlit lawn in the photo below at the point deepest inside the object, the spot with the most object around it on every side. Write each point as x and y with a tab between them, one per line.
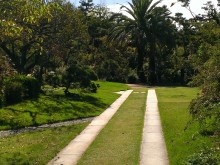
55	106
37	147
181	141
119	142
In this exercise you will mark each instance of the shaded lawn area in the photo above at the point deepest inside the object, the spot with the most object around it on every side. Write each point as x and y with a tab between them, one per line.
37	147
120	141
55	106
181	141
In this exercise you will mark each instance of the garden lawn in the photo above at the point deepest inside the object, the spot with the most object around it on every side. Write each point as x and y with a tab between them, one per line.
173	107
54	106
120	141
37	147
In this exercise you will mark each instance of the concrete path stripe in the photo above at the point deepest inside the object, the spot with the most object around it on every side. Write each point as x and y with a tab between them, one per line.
74	150
153	148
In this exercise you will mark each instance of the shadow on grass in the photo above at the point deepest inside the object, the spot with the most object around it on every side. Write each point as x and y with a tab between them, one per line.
54	108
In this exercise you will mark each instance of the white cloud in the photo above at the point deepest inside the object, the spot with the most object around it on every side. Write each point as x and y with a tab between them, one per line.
116	8
195	7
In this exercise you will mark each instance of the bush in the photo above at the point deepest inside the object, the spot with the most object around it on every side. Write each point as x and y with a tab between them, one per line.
12	92
53	79
132	77
205	156
17	88
78	76
31	87
93	87
206	107
1	100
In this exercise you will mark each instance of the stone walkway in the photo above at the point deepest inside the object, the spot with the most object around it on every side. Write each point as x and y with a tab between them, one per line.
74	150
153	148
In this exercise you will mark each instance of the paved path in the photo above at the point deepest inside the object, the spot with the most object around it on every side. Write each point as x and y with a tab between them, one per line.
74	150
153	148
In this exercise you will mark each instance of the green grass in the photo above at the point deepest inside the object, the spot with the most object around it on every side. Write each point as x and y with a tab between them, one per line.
37	147
119	142
173	106
55	107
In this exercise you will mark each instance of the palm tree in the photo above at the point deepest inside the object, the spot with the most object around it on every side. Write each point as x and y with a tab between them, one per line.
141	28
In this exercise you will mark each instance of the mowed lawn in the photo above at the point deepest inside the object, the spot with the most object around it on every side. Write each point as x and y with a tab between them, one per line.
54	106
39	147
36	147
120	141
182	138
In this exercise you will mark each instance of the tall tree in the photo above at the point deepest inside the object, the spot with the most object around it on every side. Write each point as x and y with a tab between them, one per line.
24	27
142	29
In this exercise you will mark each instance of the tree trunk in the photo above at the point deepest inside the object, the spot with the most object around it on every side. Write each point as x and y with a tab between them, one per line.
182	76
152	64
140	61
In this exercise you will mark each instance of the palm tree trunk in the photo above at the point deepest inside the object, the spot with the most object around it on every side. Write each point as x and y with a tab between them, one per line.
152	64
140	62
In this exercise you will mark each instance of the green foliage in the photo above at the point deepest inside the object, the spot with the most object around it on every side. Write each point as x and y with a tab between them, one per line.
78	76
19	38
207	156
132	77
1	99
145	30
182	138
31	87
13	91
19	87
206	107
52	78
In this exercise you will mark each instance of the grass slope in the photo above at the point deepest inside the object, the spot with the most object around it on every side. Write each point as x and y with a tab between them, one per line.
173	106
119	142
55	106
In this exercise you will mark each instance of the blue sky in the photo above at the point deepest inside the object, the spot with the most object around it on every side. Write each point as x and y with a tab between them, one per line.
195	5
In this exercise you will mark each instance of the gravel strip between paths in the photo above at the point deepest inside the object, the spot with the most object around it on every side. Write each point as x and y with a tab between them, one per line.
53	125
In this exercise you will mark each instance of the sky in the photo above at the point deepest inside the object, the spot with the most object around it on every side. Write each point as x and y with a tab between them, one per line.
195	5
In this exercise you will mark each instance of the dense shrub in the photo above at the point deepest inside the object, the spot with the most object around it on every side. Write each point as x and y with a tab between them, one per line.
1	98
93	87
205	156
31	87
132	77
206	107
78	76
17	88
52	78
12	92
111	70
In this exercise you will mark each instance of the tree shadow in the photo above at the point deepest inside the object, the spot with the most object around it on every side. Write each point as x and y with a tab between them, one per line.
69	107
